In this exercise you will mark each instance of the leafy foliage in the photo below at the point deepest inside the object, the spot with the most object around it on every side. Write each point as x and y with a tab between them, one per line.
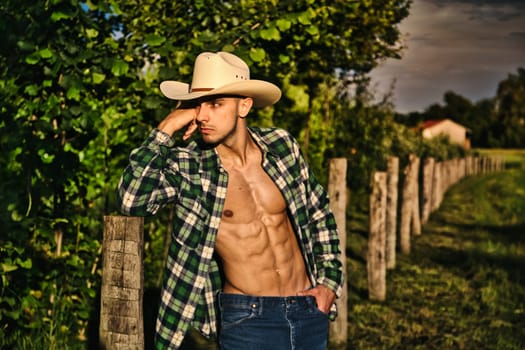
59	132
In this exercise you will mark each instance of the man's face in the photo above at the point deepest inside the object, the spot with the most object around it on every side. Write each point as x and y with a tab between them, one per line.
217	118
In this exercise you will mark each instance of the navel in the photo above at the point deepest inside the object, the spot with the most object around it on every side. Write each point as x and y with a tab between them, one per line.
228	213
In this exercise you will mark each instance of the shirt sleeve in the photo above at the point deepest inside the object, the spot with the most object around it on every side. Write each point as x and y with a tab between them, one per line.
143	188
325	236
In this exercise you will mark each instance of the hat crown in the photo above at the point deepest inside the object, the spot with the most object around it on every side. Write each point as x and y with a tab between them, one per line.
213	70
221	73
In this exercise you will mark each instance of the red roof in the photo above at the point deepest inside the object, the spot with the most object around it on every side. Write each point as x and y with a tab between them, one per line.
429	123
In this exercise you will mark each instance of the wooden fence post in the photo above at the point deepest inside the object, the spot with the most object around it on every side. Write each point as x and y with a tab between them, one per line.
338	201
392	181
428	175
436	185
415	220
121	315
376	262
408	203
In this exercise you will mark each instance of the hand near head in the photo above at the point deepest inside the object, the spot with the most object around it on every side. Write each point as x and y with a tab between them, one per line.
178	119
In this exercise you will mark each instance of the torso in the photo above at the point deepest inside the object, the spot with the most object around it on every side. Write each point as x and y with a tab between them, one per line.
256	241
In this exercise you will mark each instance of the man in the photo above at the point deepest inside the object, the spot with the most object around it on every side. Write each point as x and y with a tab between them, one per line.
254	240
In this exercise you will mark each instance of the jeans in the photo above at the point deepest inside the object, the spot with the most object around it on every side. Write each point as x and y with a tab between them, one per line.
271	323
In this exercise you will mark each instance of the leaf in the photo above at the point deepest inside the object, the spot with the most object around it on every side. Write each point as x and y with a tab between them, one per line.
33	58
228	48
16	216
271	34
283	24
26	264
31	90
304	18
312	30
45	53
45	157
24	45
91	33
119	68
284	58
154	40
83	314
257	55
98	77
73	93
59	15
8	267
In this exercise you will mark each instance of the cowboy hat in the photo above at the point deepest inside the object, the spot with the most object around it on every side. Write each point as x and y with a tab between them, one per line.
221	73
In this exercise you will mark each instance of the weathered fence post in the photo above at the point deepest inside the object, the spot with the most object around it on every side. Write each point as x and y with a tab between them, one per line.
468	165
408	203
392	181
437	186
121	317
376	262
415	220
428	175
338	202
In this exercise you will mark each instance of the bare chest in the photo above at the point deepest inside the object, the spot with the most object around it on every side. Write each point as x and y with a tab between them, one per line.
251	195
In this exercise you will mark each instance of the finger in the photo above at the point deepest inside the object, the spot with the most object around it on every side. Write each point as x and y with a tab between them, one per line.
191	129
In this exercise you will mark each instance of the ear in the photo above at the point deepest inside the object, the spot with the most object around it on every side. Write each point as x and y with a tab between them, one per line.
245	105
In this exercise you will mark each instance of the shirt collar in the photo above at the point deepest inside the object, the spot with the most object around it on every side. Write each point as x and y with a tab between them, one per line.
261	141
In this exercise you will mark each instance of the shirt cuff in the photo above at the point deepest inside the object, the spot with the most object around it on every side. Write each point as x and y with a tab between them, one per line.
161	138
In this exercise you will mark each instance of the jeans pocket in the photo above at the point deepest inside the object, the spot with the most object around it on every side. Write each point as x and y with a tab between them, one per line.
313	310
233	316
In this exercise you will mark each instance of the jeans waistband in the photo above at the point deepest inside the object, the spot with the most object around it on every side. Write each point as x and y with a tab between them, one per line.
252	301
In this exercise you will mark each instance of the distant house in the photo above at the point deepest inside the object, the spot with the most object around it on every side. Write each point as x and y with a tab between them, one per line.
456	133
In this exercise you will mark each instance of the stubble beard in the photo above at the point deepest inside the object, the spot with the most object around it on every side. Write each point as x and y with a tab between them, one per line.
223	140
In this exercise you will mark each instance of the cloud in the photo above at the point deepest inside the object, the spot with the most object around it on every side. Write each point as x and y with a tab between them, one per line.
462	45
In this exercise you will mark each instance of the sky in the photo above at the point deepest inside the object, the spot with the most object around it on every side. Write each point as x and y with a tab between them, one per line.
464	46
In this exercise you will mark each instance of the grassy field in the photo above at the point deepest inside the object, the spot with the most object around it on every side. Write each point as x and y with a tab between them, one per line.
463	285
513	158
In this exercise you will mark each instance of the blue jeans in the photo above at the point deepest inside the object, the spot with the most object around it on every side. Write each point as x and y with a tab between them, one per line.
271	323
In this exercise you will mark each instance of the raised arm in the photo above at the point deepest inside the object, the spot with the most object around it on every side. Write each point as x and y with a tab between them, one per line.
143	188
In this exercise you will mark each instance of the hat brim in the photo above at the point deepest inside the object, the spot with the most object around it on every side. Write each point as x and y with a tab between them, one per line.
262	92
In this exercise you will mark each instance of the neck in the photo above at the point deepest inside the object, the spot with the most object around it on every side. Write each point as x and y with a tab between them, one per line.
239	150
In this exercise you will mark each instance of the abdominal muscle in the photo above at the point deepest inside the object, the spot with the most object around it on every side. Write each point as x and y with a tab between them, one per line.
261	258
256	242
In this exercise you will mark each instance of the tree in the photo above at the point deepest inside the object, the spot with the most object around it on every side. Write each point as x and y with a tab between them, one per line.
62	119
508	129
480	122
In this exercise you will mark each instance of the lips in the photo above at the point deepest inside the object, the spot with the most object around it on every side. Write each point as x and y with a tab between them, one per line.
205	130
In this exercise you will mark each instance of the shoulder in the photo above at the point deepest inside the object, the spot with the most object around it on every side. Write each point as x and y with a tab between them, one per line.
276	139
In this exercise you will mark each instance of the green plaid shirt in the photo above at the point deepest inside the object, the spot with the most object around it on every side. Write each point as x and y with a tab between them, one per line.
192	177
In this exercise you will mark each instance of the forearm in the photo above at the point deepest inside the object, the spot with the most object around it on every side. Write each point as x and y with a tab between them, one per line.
143	189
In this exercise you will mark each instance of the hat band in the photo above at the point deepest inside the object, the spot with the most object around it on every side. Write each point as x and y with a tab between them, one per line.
201	89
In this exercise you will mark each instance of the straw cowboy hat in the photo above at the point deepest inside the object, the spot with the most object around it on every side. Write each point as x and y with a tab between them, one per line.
222	73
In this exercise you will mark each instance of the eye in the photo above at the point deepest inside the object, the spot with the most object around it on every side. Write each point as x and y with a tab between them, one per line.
217	103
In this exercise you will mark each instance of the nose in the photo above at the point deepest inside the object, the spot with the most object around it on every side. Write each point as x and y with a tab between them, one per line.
202	113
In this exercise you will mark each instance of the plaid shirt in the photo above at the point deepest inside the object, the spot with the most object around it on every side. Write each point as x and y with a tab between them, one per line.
192	177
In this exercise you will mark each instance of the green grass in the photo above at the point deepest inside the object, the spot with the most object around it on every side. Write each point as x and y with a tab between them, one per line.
463	285
512	157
